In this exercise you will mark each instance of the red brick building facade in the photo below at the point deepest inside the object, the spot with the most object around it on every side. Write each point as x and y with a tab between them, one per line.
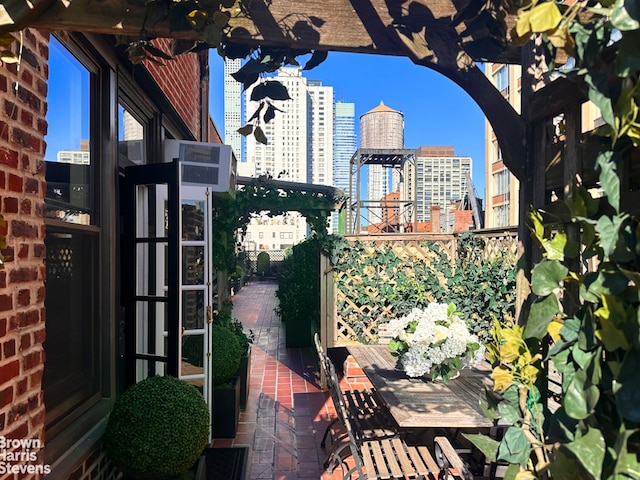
169	101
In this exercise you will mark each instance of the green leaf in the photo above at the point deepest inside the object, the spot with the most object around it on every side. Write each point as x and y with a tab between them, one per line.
487	445
554	247
580	397
609	229
564	467
547	276
514	447
600	95
589	450
541	314
628	392
624	15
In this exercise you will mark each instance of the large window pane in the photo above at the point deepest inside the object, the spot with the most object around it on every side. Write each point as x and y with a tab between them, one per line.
68	156
71	380
71	346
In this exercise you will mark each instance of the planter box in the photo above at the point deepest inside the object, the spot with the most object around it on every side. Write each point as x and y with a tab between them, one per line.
226	410
244	372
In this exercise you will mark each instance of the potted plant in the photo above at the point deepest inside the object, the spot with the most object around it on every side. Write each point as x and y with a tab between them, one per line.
434	341
244	369
158	429
226	353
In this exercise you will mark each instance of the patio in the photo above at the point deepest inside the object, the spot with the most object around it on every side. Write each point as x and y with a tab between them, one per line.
287	412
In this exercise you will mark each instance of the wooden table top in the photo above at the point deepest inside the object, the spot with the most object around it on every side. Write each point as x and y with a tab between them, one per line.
414	402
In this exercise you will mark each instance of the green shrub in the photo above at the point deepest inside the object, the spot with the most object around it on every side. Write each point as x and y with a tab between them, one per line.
263	263
158	428
225	319
226	351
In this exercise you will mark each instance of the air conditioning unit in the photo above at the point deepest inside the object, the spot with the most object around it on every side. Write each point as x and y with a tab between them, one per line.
204	164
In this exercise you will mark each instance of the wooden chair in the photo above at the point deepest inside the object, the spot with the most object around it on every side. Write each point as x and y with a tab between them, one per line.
369	417
383	458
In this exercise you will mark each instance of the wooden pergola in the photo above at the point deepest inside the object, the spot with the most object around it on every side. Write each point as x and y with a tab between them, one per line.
448	36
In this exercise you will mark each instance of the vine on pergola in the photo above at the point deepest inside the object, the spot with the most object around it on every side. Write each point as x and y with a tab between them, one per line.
263	194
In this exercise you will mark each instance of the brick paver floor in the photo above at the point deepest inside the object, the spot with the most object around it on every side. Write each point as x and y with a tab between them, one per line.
287	412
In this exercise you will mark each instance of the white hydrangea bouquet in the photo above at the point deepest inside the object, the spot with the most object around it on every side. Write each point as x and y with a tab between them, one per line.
435	341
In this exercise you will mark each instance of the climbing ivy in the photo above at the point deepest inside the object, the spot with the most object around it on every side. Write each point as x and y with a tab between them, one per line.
585	323
264	194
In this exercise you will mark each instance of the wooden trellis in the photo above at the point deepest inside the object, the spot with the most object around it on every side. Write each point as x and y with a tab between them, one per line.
357	321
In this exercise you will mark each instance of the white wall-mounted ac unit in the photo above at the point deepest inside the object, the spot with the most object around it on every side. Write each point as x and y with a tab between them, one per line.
209	164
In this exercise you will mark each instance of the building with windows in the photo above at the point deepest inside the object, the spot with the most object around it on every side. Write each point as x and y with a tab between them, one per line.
66	152
233	108
344	146
502	188
437	177
300	149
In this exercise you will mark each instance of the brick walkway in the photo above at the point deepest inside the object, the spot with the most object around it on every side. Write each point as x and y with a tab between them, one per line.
287	412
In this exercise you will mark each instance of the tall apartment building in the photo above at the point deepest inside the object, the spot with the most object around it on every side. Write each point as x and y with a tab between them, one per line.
381	127
501	204
344	145
233	109
502	188
300	149
437	177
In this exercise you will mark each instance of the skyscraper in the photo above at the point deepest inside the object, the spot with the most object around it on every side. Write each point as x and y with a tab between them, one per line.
344	145
233	108
299	149
381	127
437	177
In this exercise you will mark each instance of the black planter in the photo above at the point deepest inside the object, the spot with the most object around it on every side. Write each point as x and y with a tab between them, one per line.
226	409
244	372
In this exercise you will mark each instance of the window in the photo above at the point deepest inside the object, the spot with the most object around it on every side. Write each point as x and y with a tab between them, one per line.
501	80
71	380
501	182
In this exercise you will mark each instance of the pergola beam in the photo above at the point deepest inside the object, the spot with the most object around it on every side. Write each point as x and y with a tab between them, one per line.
360	26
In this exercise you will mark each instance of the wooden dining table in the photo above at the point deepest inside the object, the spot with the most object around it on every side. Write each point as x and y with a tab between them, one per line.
419	403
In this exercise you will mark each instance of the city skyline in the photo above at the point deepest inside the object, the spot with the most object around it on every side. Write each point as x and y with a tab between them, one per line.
437	112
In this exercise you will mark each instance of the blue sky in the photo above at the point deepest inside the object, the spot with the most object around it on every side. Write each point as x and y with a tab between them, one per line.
436	111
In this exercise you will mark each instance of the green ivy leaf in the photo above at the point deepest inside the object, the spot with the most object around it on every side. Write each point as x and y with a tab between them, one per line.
487	445
564	467
541	314
624	15
589	450
554	248
580	397
628	387
547	276
514	447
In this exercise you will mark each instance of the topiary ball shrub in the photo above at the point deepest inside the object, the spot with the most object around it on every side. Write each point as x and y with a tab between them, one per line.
158	428
226	354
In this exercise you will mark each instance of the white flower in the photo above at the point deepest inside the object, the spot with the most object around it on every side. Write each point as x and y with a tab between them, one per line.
433	337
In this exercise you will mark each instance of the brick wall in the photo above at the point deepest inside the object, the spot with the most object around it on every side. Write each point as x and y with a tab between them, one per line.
22	190
180	80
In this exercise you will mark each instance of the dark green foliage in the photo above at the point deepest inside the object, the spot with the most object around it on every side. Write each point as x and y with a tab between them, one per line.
158	428
299	284
380	284
226	354
224	318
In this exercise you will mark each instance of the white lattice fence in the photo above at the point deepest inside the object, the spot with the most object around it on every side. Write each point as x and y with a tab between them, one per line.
363	295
